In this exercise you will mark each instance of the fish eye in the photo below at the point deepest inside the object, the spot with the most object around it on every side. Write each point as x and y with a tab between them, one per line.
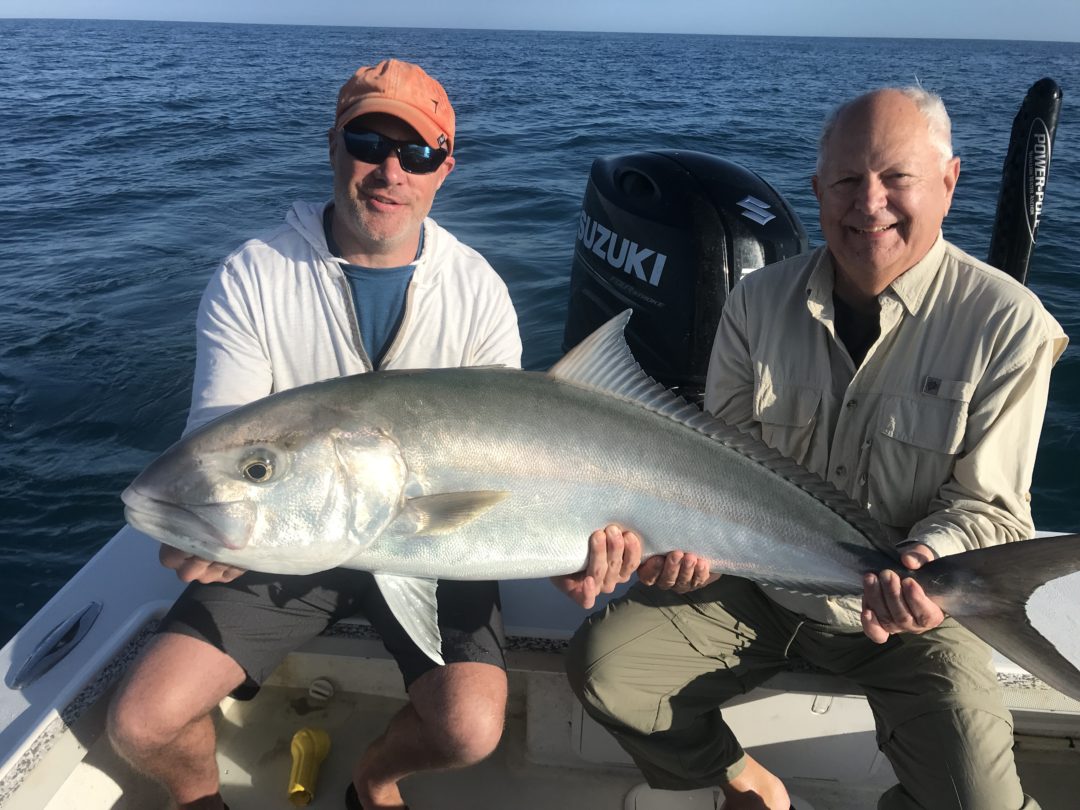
258	470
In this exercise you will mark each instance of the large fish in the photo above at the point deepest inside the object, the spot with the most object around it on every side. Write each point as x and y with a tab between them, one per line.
493	473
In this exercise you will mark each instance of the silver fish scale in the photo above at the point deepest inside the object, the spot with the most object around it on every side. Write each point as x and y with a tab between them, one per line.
504	430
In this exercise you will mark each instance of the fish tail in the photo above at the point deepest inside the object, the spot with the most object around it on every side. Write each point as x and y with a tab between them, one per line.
987	590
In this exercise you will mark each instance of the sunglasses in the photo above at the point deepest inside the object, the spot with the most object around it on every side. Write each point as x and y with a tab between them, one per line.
371	147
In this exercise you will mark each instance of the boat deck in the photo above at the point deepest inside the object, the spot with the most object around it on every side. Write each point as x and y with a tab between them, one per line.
551	756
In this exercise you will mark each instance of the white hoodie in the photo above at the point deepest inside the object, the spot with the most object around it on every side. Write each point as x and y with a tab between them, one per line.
279	313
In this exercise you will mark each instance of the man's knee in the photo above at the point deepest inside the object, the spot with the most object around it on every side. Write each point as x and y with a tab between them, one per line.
603	637
462	708
471	739
601	675
176	681
577	661
585	670
130	726
139	722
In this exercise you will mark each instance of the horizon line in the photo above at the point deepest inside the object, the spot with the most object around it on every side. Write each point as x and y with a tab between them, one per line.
533	30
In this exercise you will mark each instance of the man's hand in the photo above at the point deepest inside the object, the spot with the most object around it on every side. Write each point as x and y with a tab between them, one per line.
892	604
679	571
613	556
190	568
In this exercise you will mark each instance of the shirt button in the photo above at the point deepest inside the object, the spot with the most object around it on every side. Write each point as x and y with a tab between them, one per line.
862	480
868	442
841	470
851	403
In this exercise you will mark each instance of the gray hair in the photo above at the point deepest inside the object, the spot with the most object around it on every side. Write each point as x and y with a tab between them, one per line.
929	104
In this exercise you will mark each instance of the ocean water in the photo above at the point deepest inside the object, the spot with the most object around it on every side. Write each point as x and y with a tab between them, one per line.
134	155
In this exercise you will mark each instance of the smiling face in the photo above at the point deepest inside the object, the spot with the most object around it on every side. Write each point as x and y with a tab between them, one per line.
378	207
884	188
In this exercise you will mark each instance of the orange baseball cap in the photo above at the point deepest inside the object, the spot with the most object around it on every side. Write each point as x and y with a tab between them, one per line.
403	90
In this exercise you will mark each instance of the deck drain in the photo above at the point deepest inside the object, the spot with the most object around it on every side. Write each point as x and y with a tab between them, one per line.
319	692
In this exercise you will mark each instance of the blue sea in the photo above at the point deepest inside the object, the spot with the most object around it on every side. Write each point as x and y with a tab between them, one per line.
135	155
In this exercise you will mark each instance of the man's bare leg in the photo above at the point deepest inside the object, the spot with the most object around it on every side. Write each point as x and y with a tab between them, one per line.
454	718
755	789
160	719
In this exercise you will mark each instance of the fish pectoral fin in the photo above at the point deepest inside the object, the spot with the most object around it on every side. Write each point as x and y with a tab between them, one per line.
441	514
412	601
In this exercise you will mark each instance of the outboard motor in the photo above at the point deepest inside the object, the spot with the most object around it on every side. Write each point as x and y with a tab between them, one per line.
669	233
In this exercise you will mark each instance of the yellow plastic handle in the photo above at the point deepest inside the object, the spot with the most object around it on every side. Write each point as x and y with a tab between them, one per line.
309	748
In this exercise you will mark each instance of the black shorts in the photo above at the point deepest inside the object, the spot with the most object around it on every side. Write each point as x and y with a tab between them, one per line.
258	619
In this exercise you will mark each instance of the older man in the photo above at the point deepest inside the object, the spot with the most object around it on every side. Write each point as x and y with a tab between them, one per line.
914	378
366	281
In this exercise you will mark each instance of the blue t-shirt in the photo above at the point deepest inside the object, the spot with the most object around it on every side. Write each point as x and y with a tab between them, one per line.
378	294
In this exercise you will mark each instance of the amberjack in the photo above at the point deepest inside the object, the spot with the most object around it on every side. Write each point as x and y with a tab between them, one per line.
496	473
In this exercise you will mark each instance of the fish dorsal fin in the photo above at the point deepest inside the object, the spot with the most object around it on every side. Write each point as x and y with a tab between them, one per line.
603	362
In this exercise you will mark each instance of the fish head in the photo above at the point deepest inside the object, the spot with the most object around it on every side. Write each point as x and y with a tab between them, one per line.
290	489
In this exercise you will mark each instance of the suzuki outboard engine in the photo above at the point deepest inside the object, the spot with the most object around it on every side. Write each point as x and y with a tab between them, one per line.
669	233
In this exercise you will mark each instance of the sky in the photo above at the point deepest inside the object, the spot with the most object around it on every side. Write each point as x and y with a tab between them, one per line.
1057	20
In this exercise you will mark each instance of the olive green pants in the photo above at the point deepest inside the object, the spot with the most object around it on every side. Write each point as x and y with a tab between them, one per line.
654	667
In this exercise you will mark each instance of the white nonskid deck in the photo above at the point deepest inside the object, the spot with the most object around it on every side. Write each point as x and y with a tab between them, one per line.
550	756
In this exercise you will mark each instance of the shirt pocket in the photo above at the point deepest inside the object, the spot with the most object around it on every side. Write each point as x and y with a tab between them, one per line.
787	414
912	455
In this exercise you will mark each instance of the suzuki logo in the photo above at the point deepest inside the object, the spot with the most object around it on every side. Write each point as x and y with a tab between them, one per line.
620	252
756	210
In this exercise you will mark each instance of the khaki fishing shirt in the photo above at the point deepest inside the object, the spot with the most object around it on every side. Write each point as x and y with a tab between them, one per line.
935	433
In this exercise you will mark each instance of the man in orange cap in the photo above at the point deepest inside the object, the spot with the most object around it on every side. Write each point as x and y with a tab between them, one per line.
366	281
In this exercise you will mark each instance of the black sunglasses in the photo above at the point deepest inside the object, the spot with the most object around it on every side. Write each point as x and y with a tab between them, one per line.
371	147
